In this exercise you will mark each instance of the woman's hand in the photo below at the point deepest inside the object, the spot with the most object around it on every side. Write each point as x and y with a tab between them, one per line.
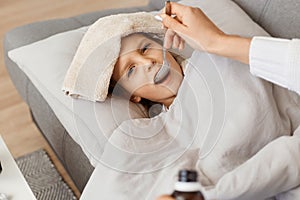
165	197
194	27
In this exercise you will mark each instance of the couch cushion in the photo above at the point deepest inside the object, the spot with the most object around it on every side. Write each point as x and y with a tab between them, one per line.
279	18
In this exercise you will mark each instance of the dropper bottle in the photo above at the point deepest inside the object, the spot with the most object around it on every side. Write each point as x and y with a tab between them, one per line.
187	187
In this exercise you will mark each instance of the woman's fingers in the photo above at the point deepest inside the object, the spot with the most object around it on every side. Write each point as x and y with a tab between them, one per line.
172	23
178	10
182	44
169	37
176	41
165	197
173	40
192	25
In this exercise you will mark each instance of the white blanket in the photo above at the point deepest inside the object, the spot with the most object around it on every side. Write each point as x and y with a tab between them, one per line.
224	123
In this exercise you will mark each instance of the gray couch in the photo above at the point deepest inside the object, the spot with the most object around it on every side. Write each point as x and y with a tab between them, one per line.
279	17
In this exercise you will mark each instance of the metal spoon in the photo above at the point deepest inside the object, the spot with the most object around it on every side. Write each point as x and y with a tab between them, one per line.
164	71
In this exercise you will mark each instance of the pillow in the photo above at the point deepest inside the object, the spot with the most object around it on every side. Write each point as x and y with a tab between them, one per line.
90	124
83	120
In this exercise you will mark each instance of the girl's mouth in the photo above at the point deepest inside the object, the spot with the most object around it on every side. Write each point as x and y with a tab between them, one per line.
161	75
164	78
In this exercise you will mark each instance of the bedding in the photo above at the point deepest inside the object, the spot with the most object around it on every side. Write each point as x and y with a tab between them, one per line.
234	115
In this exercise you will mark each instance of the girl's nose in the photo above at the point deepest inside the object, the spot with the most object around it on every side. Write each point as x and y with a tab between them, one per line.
150	66
148	63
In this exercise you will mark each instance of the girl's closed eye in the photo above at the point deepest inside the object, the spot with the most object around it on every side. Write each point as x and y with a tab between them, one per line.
130	71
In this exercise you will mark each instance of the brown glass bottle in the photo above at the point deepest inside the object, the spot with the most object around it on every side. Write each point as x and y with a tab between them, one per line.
187	186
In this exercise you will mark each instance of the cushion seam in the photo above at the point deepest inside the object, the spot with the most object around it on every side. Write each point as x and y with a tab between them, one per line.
264	10
63	142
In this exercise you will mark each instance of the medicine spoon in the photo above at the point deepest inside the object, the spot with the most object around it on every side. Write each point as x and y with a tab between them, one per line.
165	68
163	71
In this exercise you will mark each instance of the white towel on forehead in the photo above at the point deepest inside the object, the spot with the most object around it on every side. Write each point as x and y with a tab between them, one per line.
89	74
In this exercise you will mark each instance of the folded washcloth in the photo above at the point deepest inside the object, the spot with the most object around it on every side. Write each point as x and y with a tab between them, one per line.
91	69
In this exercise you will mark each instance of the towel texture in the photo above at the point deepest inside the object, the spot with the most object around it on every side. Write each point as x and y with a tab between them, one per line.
89	74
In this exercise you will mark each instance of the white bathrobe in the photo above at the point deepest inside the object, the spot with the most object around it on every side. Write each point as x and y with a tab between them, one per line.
276	60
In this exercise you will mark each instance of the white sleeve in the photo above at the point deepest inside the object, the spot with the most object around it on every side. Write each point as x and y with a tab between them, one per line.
276	60
274	169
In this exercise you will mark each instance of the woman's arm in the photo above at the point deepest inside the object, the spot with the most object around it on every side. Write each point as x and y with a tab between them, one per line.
234	47
276	60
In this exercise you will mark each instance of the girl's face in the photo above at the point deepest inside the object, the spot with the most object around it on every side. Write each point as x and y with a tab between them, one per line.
139	61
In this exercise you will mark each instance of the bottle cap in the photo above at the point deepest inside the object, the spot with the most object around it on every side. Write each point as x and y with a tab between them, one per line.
187	175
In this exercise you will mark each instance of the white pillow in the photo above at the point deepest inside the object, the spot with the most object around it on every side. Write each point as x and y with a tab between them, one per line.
90	124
